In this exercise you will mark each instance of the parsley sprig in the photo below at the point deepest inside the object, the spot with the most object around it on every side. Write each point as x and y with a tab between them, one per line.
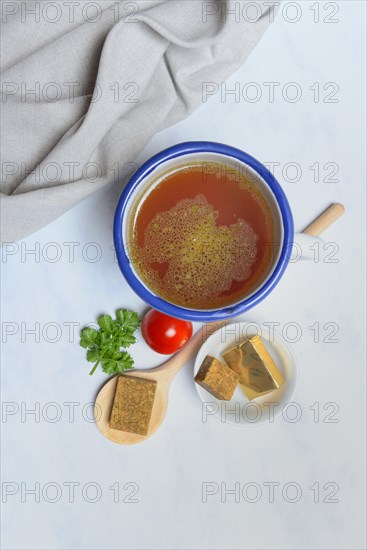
106	346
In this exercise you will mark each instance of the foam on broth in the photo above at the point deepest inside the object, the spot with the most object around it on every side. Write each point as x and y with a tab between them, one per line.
199	238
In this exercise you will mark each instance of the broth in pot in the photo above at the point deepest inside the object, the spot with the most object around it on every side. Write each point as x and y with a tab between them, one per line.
203	237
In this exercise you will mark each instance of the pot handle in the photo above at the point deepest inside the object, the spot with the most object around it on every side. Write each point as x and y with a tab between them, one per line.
322	222
305	243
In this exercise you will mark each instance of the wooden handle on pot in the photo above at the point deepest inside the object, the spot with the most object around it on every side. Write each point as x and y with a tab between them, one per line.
328	217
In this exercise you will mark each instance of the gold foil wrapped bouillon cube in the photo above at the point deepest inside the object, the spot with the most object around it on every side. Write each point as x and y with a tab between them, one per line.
258	374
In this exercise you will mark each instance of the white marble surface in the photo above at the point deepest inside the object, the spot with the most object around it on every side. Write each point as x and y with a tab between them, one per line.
170	469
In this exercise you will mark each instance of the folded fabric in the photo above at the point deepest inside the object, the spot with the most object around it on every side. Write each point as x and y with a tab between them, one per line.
86	85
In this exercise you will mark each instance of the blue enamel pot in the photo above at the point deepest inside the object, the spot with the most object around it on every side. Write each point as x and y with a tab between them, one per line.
148	176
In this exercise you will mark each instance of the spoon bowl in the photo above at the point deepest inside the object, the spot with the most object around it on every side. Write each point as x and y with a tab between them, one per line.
163	375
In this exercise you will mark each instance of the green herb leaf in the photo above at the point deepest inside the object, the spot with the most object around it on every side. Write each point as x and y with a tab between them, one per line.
113	366
88	336
106	346
105	322
126	340
128	319
92	355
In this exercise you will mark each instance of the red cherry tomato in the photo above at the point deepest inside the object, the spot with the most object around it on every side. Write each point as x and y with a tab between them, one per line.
165	334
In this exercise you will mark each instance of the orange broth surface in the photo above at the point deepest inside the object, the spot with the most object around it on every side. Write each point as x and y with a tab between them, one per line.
200	237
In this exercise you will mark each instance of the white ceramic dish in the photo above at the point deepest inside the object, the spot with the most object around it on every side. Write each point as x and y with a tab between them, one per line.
240	411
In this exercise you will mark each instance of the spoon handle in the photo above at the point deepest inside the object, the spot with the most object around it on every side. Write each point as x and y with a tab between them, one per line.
173	365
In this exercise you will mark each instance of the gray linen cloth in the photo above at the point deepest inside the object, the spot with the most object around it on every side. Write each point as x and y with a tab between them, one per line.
85	85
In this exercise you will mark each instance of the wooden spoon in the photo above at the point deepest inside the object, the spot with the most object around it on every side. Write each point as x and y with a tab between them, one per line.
164	375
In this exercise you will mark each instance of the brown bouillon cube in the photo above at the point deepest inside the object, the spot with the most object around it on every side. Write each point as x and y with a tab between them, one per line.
217	378
133	404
